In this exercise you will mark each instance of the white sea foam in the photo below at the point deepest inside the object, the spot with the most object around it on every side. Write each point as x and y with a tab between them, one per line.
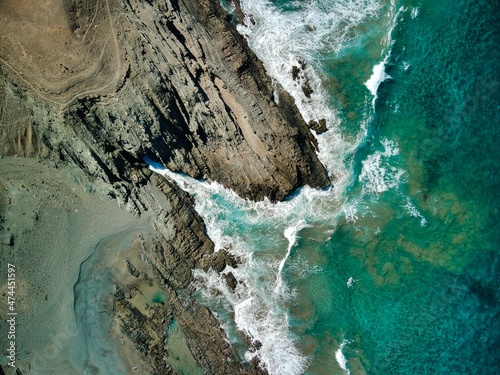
378	76
281	41
377	175
390	147
339	356
258	314
291	235
350	211
414	212
414	12
350	282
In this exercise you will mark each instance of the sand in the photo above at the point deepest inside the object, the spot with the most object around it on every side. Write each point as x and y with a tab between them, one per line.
51	221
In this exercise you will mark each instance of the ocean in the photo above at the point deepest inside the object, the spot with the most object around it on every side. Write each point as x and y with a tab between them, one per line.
395	269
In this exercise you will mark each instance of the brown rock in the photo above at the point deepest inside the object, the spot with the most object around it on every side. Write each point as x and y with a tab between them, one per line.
171	80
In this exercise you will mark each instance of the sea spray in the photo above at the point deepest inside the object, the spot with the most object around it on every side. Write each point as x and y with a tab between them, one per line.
341	360
377	174
378	76
262	234
292	38
291	235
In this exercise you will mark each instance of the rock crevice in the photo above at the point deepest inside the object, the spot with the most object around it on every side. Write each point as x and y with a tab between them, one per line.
171	80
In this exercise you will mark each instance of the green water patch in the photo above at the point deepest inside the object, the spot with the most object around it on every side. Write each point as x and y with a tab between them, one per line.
179	355
403	312
159	297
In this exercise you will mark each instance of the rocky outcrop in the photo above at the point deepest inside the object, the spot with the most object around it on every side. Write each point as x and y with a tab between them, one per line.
180	245
191	95
171	80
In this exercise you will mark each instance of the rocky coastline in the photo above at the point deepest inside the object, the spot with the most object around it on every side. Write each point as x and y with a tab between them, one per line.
173	81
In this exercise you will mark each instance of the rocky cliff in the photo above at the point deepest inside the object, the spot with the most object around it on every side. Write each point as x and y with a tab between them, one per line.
102	84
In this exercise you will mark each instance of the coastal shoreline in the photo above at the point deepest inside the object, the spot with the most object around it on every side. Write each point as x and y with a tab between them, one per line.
163	80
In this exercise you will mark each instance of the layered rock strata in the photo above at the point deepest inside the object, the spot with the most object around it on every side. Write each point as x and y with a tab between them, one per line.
102	84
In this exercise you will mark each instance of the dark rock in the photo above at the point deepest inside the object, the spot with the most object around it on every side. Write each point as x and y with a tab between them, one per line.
256	361
318	126
307	90
10	240
219	260
231	281
132	269
118	293
257	344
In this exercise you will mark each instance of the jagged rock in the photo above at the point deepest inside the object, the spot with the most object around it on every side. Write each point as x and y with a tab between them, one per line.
318	126
118	293
231	281
257	344
173	81
307	90
218	261
131	268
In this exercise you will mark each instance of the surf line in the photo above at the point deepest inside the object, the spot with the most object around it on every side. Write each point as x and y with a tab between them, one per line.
340	357
291	235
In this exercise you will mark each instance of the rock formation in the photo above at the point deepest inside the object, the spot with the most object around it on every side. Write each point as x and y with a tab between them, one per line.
103	84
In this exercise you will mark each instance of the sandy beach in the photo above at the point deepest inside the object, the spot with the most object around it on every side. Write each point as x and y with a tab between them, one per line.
51	223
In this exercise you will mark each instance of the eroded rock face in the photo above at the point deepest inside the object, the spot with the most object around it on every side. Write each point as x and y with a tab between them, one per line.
184	89
102	84
179	246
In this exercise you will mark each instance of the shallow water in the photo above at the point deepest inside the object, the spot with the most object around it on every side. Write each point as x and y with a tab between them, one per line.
395	270
98	351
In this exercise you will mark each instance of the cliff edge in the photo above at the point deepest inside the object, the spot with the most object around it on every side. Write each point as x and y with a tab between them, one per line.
99	85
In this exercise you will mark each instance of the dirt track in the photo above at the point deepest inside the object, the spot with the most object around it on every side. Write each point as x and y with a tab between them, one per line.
61	52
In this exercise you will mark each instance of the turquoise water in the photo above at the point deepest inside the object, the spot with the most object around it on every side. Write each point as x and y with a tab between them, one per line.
395	270
159	297
427	296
